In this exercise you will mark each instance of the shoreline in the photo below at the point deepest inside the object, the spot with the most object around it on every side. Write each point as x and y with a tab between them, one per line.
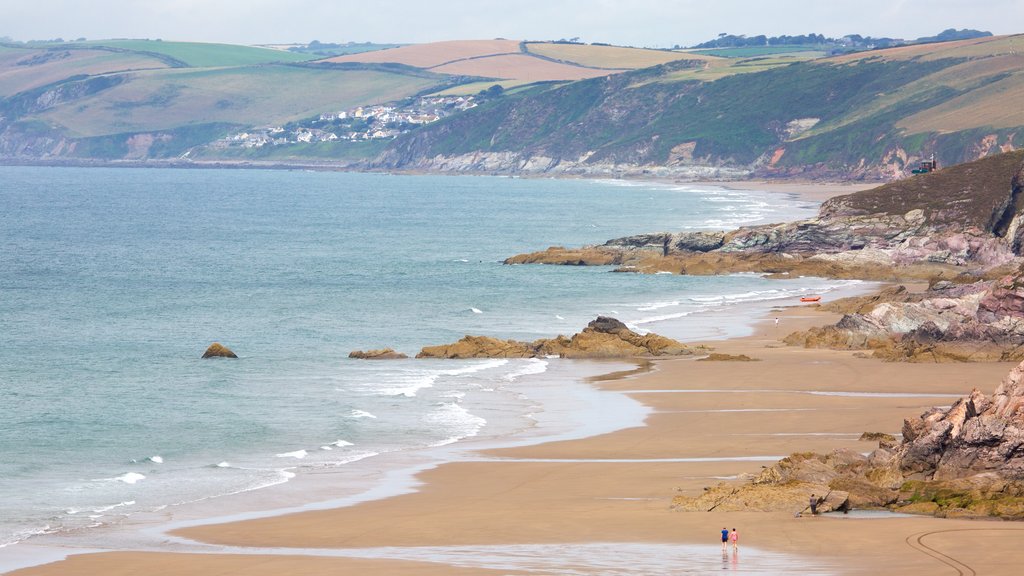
616	487
441	484
805	189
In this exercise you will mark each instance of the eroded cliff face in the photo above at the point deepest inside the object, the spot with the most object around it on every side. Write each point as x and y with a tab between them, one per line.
967	217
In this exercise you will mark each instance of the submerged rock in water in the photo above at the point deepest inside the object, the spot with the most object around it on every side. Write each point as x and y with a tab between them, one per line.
218	350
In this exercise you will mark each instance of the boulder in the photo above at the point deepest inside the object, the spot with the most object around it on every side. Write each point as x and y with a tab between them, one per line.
720	357
602	338
382	354
218	350
480	347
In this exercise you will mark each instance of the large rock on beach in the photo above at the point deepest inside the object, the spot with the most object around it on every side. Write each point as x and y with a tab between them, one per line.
381	354
602	338
218	350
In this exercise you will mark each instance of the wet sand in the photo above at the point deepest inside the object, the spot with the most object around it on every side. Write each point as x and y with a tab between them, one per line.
544	508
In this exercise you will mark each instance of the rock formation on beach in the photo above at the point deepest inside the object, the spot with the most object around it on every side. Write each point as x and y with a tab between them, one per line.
382	354
980	321
966	460
602	338
218	350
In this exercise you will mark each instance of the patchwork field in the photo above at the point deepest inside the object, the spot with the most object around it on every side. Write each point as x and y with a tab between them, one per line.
248	96
25	69
610	57
436	53
521	67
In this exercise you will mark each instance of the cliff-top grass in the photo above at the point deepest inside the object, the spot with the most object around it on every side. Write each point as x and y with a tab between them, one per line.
611	57
204	54
25	69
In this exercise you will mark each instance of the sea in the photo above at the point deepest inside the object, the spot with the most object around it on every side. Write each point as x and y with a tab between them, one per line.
113	281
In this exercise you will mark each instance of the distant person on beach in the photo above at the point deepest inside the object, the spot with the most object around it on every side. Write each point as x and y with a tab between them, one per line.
776	322
725	538
735	537
814	504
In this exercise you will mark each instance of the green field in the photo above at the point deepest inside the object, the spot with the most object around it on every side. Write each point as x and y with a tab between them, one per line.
203	55
249	96
751	51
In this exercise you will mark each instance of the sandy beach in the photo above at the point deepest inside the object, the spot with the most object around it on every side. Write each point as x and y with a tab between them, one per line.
602	505
710	420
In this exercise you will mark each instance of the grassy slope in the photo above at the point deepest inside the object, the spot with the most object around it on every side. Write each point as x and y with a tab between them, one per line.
22	70
738	118
972	193
521	67
200	54
435	53
610	57
251	95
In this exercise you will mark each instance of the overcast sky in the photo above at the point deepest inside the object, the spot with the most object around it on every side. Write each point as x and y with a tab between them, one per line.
654	23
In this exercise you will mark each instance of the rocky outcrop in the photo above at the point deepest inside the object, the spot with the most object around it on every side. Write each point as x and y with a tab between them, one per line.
382	354
602	338
979	321
963	219
720	357
966	461
218	350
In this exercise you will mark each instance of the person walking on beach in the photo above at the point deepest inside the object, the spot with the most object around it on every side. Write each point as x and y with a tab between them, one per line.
814	504
725	538
735	537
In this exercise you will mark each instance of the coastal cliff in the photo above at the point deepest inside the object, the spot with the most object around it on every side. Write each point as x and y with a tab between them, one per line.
966	218
959	229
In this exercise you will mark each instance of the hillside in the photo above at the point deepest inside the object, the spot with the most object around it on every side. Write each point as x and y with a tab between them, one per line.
514	106
865	115
136	99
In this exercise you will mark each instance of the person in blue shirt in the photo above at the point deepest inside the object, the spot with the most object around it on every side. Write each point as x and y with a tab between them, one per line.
725	538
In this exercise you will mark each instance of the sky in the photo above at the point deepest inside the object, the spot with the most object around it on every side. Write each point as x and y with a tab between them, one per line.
649	23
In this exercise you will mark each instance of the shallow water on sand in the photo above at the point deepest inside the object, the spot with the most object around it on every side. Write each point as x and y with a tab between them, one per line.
115	280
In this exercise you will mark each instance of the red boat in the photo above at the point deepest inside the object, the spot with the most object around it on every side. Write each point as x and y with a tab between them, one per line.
810	298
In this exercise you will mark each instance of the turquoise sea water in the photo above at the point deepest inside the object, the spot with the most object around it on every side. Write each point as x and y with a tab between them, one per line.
114	281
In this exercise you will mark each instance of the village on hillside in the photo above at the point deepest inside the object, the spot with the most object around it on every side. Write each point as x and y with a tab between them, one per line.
376	122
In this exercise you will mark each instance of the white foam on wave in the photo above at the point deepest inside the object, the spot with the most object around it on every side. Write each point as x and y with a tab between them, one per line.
130	478
410	382
529	367
103	509
299	454
336	444
361	414
460	260
476	311
663	317
25	534
156	459
658	305
559	317
224	464
456	420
